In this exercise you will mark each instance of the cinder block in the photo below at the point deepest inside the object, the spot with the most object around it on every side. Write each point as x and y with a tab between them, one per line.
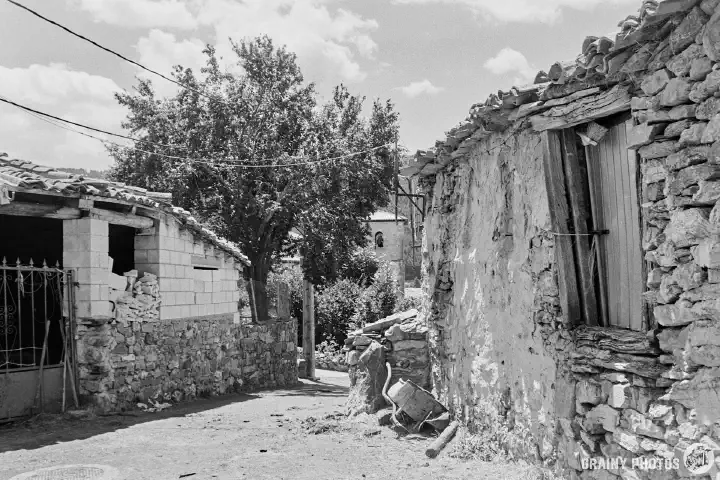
211	309
194	309
146	242
203	275
199	286
184	311
202	310
153	256
198	249
91	309
185	298
218	297
208	286
89	292
141	256
165	256
166	271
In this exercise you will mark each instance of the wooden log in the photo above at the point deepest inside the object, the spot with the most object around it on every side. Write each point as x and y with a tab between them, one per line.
560	217
436	447
580	215
617	340
583	110
125	219
40	392
648	367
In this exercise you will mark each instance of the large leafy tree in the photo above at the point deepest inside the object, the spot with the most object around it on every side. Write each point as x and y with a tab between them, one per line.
239	128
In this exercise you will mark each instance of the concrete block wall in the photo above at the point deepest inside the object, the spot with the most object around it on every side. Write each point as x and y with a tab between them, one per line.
187	292
85	249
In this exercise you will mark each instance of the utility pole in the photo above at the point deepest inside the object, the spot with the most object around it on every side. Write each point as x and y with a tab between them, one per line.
308	327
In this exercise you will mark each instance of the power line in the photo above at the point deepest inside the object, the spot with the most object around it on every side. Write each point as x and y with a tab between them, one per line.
28	109
113	52
195	160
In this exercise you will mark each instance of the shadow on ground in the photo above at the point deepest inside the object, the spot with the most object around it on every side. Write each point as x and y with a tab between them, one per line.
43	430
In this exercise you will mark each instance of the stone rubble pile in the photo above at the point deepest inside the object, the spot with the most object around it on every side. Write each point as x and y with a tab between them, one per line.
401	341
140	301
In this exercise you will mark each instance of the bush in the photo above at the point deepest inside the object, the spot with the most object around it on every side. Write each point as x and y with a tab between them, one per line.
408	303
378	300
360	267
334	309
292	275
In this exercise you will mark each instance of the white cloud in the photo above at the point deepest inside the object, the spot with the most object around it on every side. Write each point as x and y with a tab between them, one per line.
140	13
69	94
525	11
162	51
328	43
423	87
507	61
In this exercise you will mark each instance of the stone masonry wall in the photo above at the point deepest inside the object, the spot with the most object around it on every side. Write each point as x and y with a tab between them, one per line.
175	360
506	359
667	397
498	343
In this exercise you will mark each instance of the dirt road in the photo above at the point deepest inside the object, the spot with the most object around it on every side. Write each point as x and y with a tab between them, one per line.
260	436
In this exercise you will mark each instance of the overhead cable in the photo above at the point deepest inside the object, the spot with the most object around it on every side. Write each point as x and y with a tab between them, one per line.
109	50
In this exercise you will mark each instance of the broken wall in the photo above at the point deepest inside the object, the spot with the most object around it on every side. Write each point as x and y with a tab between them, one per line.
490	277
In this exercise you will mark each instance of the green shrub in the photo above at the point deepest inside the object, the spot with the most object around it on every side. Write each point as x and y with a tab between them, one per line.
360	267
378	300
292	275
408	303
334	309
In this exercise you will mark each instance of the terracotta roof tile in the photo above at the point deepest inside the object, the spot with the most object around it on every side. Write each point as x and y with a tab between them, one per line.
23	174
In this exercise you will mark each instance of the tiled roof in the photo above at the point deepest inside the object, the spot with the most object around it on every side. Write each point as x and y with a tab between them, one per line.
645	41
24	174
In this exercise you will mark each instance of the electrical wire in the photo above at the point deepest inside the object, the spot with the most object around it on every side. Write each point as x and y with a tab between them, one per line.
41	116
28	109
109	50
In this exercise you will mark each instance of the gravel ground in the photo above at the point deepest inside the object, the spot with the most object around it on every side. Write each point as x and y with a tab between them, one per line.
296	433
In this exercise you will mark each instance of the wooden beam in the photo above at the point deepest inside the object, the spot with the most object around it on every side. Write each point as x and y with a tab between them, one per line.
560	218
41	210
580	215
607	103
309	329
125	219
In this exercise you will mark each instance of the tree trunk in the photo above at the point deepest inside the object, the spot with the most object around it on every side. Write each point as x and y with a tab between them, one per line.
257	289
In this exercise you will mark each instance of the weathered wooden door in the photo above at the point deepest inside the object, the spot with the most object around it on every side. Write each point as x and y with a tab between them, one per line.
612	169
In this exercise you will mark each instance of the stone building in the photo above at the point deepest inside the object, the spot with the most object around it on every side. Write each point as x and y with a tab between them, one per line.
571	253
138	299
388	238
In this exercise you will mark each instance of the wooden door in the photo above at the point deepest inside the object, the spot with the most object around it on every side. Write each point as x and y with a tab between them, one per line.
613	172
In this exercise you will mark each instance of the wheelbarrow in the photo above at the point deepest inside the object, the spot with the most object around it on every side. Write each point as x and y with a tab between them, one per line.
416	402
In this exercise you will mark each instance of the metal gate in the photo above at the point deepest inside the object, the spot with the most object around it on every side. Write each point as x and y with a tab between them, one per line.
37	355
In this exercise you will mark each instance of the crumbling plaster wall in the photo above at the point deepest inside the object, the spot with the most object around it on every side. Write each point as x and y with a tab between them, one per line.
489	273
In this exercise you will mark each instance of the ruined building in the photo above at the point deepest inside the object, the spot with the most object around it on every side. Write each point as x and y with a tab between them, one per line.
112	294
572	251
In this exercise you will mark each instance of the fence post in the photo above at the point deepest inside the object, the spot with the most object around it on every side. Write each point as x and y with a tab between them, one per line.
309	329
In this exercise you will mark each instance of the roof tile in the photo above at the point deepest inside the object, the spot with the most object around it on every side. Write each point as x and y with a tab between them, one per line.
23	174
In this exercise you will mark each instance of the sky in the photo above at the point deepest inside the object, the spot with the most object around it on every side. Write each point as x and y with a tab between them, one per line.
433	58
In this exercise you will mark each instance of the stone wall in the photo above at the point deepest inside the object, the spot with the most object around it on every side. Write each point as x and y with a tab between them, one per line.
503	354
175	360
493	303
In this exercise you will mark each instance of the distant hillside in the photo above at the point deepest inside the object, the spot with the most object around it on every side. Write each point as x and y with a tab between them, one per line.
87	173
